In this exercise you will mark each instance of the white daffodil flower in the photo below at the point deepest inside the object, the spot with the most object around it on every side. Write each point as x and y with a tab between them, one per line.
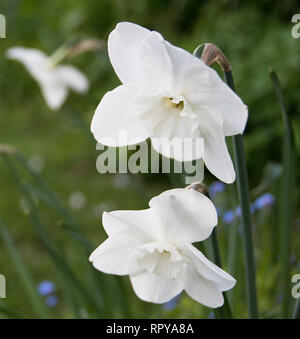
167	94
54	81
154	247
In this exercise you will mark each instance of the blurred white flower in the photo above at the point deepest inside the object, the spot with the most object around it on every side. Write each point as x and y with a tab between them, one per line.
54	81
25	206
168	94
121	180
153	246
77	200
103	206
36	162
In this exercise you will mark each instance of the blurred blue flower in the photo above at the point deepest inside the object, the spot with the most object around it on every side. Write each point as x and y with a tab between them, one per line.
51	301
216	187
238	210
279	298
265	200
169	305
228	217
46	287
211	315
292	259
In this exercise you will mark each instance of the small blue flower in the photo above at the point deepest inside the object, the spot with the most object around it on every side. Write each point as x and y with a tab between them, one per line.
51	301
265	200
228	217
169	305
216	187
46	287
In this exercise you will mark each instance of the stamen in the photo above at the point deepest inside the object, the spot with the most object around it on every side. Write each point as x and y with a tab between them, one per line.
170	102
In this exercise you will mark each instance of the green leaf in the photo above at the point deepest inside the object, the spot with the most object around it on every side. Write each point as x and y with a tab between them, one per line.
26	279
286	203
99	283
9	313
59	261
244	198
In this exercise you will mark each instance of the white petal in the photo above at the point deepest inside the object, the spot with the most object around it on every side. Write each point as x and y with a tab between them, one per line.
217	159
35	61
179	72
73	78
201	85
139	226
216	96
216	156
116	121
123	49
187	215
54	94
27	56
113	257
154	288
127	230
182	150
155	64
170	68
207	269
202	290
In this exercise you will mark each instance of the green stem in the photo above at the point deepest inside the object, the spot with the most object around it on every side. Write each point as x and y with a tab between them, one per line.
215	248
286	199
243	192
58	55
225	311
232	259
213	252
296	312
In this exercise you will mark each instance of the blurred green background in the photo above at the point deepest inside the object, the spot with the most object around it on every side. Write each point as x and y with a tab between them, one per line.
254	35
